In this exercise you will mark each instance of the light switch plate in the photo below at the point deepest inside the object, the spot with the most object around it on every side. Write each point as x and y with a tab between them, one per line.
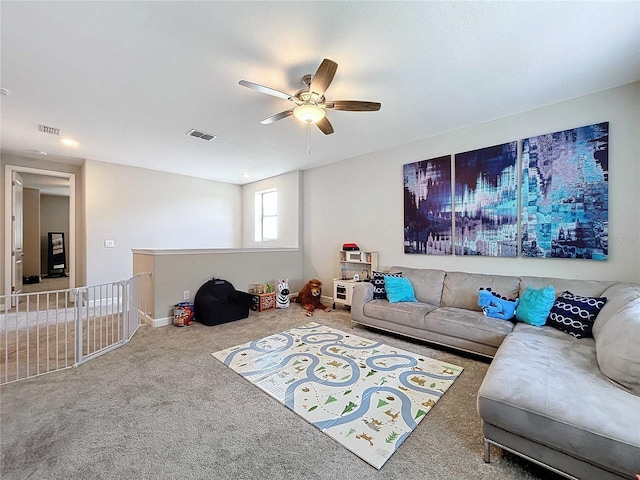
109	243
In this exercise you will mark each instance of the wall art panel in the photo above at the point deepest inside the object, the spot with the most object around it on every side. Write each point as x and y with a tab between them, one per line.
427	206
565	191
486	201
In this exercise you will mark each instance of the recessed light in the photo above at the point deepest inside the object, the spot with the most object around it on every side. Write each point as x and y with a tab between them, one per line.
69	142
245	175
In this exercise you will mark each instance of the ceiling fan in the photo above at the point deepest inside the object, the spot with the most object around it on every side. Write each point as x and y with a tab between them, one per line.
310	101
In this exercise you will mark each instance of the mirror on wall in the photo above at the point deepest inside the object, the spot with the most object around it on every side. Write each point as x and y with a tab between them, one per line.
57	255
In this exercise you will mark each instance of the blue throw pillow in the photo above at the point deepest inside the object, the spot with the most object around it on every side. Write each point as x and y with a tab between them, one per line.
399	289
575	314
535	305
379	293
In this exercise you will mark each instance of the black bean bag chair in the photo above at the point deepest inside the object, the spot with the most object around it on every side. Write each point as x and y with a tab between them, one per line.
217	301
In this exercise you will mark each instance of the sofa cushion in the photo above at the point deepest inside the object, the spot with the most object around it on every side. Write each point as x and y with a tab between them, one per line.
618	296
399	289
618	350
553	333
535	305
406	313
589	288
472	326
575	314
461	289
552	392
427	283
379	291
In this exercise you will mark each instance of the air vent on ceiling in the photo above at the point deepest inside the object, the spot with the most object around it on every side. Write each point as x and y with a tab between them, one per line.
50	130
202	135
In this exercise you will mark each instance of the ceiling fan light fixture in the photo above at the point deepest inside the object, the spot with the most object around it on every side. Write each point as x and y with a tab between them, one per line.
308	113
310	104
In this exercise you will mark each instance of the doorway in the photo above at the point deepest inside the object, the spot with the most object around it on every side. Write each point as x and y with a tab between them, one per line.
58	183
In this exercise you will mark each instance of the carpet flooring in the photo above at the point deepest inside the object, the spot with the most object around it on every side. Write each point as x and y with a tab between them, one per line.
162	407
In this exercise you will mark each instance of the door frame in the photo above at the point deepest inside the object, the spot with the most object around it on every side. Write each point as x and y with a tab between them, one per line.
8	190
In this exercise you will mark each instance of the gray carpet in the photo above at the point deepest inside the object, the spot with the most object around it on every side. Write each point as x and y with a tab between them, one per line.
163	407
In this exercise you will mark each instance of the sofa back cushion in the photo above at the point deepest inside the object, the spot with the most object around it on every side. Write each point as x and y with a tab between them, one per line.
461	289
617	347
427	283
588	288
618	296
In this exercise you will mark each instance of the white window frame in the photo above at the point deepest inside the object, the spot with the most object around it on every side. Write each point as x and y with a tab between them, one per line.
260	216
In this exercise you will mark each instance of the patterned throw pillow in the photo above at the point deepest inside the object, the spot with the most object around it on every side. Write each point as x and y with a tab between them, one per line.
575	314
379	292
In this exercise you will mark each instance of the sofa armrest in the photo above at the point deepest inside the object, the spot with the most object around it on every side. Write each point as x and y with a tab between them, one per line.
362	293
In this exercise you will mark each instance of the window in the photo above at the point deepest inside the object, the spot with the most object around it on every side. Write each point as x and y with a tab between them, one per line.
267	215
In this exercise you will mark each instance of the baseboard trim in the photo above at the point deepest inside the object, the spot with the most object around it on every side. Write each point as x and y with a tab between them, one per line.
158	322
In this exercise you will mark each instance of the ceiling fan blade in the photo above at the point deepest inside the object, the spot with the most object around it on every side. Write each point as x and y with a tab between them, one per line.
325	126
263	89
277	116
323	77
353	106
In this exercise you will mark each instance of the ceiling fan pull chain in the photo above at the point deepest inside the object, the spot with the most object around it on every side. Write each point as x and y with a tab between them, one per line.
308	145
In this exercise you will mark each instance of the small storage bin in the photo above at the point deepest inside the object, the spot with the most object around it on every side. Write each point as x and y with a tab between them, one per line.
183	314
264	301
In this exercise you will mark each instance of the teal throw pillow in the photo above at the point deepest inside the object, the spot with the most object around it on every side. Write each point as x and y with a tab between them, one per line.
535	305
399	289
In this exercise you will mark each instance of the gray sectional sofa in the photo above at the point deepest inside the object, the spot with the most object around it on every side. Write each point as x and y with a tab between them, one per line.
569	404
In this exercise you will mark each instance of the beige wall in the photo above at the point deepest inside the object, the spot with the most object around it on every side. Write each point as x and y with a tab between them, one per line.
174	272
289	190
358	200
361	200
31	233
140	208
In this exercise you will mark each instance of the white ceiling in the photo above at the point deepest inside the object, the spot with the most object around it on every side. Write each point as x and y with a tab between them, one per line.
127	80
46	184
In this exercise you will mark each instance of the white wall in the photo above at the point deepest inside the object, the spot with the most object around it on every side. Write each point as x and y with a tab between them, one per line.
361	200
140	208
288	186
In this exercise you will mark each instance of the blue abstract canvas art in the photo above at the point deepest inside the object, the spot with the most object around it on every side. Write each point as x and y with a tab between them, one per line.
565	191
427	206
486	201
